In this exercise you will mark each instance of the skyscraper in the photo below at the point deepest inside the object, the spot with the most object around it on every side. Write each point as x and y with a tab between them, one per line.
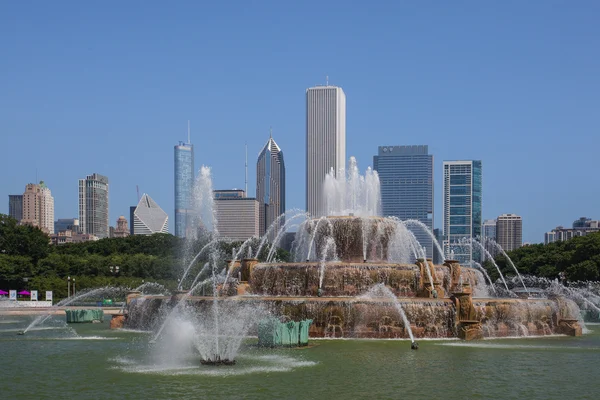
15	206
270	187
38	207
93	205
184	187
149	218
325	141
509	231
462	208
406	176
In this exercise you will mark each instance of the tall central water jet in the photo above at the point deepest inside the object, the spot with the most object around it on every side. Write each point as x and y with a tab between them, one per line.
348	193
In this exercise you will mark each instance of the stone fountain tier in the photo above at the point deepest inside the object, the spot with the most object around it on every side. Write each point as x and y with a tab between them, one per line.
353	279
354	237
360	317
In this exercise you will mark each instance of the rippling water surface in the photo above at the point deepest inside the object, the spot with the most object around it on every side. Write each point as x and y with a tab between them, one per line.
90	361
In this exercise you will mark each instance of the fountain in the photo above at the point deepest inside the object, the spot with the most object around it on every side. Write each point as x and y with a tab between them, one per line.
355	274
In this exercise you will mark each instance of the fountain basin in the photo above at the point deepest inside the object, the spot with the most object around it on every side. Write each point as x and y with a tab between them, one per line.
360	317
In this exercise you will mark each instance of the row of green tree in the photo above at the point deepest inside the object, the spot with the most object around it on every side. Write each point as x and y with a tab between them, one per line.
578	259
29	261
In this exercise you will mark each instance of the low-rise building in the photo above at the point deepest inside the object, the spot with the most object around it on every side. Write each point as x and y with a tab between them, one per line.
237	215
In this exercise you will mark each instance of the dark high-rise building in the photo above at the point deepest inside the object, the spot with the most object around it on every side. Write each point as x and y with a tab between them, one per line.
406	179
93	205
15	206
184	188
270	187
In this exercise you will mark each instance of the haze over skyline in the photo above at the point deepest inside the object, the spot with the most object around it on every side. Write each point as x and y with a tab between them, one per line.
91	88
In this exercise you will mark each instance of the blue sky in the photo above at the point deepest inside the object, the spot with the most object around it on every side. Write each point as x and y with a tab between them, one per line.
109	87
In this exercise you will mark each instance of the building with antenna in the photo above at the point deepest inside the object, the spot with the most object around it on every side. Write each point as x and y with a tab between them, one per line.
184	187
270	187
325	141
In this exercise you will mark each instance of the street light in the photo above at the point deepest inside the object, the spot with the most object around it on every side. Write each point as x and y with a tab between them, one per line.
68	286
73	286
114	269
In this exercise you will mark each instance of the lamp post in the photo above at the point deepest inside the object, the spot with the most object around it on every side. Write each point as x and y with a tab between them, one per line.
114	269
73	286
68	286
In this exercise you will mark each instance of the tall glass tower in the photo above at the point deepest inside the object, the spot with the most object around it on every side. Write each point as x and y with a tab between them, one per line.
406	176
184	187
325	141
462	208
270	187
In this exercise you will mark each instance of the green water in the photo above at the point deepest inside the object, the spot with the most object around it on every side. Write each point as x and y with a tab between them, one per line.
93	362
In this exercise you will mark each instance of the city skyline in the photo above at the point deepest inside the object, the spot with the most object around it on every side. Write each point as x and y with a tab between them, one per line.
491	90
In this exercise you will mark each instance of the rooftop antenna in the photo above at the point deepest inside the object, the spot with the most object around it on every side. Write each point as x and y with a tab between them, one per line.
327	80
246	180
270	132
189	132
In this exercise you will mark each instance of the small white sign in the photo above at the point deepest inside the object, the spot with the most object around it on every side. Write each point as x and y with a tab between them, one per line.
48	295
34	296
12	294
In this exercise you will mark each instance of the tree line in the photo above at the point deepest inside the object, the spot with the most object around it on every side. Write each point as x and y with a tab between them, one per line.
29	261
578	259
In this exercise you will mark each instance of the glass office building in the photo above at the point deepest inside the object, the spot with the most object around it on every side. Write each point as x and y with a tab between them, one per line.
406	177
462	208
270	188
184	188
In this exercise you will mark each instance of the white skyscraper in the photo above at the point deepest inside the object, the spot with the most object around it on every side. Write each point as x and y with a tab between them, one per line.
149	218
325	141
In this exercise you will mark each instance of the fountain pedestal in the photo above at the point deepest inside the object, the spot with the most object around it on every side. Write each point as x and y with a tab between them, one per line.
217	361
132	295
246	270
233	264
570	327
117	321
470	330
467	325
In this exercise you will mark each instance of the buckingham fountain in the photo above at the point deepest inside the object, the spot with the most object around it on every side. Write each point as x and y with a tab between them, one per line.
355	274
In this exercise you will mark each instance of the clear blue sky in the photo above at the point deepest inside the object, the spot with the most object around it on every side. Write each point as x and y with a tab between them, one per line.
109	87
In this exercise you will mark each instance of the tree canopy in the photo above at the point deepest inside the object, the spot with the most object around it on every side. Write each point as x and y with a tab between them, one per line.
29	261
578	258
